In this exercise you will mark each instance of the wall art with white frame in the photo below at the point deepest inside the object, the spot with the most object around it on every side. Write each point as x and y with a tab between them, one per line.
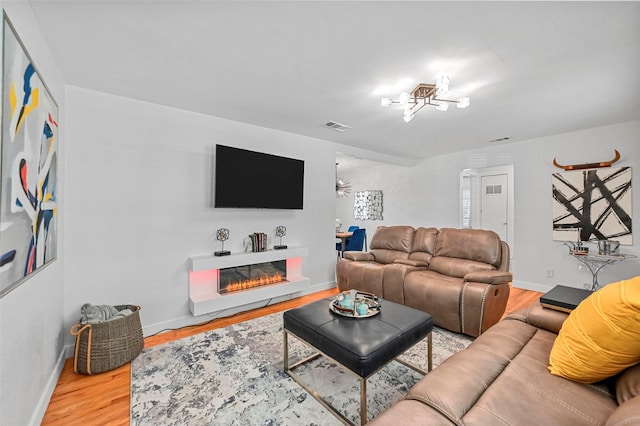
28	166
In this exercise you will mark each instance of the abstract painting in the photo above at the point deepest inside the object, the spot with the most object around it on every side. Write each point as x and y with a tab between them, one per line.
28	166
592	205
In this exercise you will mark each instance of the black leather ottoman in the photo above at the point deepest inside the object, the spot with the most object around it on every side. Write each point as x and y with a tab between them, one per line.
361	345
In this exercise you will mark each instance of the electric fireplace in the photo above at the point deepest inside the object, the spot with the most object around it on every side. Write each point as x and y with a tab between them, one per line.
210	291
245	277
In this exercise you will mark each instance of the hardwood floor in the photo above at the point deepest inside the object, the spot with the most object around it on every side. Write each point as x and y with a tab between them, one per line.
104	399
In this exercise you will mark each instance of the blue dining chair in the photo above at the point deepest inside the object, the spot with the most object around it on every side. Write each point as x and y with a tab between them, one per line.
351	229
355	242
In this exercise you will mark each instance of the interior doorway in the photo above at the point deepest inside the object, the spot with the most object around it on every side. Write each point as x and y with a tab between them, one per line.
487	200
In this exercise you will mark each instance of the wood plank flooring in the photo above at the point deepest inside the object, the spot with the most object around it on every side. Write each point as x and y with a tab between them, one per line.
104	399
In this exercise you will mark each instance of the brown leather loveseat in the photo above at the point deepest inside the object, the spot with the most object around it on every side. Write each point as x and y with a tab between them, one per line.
502	379
459	276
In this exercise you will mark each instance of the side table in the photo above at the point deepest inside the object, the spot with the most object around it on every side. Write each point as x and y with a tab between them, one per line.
595	263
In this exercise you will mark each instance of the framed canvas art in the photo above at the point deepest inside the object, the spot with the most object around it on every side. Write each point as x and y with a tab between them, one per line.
28	166
592	205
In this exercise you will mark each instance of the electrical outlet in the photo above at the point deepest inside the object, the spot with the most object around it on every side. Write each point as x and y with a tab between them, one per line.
549	273
586	286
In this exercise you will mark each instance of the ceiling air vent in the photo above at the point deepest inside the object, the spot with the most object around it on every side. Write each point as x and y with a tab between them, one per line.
337	126
499	140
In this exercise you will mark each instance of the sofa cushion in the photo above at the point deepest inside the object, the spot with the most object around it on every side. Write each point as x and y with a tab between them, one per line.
424	242
365	276
472	244
601	337
501	378
457	267
437	294
391	242
628	414
397	238
628	384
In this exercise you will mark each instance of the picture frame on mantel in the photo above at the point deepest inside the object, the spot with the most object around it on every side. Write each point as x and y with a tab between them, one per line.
28	166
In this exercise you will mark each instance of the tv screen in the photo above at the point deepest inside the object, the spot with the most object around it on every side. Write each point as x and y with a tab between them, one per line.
246	178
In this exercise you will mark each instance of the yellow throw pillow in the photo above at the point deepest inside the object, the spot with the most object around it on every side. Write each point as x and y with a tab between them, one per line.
601	337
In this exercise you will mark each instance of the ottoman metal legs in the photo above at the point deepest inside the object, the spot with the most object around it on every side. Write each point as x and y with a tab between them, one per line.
363	380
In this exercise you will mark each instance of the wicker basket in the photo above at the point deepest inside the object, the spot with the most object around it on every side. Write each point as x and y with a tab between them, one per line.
108	345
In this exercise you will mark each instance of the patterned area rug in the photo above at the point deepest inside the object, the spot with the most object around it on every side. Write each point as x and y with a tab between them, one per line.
234	376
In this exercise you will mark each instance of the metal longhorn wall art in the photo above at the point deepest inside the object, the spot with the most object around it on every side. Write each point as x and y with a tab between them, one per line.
367	205
29	167
592	202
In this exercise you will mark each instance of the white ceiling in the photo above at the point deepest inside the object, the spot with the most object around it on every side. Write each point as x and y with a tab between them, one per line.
531	69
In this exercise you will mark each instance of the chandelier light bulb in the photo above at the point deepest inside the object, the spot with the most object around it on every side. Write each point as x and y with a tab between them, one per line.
463	102
386	102
404	98
442	106
408	117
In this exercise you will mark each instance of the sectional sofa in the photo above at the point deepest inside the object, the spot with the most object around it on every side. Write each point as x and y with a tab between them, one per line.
460	276
503	378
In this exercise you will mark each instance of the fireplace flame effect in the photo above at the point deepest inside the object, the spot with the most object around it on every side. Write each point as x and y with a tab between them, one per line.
253	283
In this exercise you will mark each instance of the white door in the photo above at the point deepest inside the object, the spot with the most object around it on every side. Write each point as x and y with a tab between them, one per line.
494	204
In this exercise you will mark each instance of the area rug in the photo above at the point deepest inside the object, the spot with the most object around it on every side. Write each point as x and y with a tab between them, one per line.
234	376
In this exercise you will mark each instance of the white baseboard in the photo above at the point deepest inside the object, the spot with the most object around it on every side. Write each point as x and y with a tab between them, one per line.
532	286
191	320
47	392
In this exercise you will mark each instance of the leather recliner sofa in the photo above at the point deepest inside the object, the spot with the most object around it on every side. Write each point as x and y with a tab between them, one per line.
502	379
459	276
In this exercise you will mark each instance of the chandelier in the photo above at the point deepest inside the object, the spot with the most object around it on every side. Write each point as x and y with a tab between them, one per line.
426	94
343	186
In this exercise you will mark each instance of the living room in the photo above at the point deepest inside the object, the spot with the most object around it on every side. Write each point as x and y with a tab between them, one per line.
135	180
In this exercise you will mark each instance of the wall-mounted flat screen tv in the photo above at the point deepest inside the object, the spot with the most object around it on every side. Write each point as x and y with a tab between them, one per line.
252	179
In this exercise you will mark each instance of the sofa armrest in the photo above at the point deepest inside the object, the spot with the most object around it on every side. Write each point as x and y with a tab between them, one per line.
489	277
538	316
627	414
359	256
409	262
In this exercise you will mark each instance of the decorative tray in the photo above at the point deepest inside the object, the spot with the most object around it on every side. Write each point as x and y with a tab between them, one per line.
370	300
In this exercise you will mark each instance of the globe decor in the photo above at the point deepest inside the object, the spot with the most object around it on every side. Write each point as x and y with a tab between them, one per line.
222	235
281	231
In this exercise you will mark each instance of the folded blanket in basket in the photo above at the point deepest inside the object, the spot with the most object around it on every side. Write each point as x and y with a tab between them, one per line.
95	314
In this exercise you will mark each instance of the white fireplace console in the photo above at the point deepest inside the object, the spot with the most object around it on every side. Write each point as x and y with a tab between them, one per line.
203	279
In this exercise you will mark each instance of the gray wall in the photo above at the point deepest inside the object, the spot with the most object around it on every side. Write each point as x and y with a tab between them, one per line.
31	316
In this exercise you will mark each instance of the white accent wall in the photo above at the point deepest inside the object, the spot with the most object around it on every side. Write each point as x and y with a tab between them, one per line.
428	195
139	190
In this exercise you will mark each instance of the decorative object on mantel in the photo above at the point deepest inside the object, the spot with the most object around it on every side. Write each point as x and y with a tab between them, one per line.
426	94
367	205
222	235
258	241
343	186
28	165
592	205
281	231
616	157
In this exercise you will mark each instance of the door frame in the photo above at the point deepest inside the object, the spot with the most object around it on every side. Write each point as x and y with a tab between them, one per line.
475	185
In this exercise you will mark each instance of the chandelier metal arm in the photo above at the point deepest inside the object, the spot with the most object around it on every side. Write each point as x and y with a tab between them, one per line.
426	94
